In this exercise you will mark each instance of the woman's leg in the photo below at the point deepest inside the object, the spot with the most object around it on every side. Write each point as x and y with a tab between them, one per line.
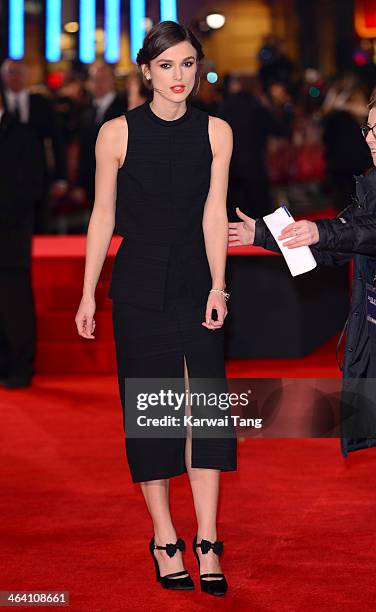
205	491
156	494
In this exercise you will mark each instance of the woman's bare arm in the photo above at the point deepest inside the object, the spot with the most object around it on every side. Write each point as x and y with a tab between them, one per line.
215	222
110	151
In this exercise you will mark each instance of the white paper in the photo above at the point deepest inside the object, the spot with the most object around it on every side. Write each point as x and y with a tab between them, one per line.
299	260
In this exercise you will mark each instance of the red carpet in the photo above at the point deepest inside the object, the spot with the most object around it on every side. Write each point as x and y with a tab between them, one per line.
297	519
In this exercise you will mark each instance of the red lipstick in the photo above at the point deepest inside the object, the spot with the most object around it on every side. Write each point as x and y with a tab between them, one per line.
178	88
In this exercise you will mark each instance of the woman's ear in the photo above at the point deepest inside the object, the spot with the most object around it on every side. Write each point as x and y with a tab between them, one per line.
146	72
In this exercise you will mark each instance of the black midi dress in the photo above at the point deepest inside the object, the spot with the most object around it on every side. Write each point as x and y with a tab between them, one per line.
161	280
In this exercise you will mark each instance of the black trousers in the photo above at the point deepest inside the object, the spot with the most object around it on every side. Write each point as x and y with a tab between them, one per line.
17	323
153	344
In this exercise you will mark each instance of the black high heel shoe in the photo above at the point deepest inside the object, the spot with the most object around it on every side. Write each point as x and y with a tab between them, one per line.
171	581
213	587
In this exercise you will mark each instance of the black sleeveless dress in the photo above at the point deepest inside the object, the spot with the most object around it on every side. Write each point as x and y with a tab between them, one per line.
161	280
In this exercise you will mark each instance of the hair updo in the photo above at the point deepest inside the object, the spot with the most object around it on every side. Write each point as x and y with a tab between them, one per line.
161	37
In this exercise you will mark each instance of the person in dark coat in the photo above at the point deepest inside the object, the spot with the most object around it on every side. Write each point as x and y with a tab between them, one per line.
346	154
252	123
37	111
21	180
351	235
275	65
105	105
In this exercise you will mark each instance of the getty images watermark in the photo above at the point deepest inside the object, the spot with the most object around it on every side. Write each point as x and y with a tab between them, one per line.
166	408
196	401
250	407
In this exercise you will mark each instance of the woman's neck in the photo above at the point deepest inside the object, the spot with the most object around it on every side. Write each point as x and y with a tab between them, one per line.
167	110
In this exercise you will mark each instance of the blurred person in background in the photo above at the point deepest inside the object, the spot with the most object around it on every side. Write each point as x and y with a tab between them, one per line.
136	91
252	123
300	162
311	92
70	103
275	65
344	109
22	183
351	235
106	104
37	112
281	102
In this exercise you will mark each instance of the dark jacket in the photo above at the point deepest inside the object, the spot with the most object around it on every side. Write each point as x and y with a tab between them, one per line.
352	235
88	133
46	123
21	181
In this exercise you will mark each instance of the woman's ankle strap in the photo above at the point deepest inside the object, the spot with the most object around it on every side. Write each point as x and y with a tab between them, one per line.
206	545
172	548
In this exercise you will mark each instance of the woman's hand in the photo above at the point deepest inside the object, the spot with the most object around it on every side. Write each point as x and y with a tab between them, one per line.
215	300
303	233
85	318
241	233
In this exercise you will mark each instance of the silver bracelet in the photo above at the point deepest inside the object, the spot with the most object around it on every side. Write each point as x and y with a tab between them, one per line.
222	292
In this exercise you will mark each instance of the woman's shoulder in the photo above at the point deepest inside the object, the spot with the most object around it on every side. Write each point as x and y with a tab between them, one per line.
217	125
219	130
220	125
220	136
112	135
113	130
112	127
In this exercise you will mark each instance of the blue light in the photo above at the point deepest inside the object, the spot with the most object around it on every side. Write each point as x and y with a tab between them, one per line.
53	30
86	41
112	30
168	10
314	92
137	26
16	29
212	77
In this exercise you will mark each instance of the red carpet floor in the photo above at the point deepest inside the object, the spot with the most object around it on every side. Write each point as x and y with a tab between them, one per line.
297	519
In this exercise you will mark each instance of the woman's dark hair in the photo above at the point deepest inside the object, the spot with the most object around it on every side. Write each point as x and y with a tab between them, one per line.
161	37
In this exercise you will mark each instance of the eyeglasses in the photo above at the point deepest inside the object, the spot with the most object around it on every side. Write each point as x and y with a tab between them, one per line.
366	129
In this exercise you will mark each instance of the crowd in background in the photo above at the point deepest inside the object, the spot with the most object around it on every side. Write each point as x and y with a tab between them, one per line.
297	140
297	137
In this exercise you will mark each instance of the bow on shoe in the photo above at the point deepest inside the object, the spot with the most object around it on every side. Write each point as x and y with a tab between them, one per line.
172	548
217	547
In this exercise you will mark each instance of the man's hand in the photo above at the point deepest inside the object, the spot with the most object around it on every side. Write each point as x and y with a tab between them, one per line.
241	232
303	233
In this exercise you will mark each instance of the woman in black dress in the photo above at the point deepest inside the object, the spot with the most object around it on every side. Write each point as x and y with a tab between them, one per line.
161	181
